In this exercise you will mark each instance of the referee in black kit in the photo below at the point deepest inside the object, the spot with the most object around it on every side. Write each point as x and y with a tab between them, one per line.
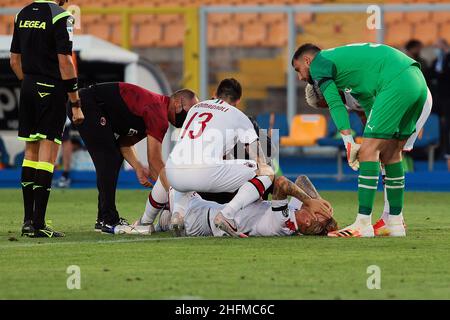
41	52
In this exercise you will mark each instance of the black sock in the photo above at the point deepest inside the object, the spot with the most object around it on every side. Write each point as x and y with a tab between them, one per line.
65	174
42	187
27	181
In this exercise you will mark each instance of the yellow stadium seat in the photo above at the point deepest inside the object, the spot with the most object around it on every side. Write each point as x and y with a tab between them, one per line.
305	130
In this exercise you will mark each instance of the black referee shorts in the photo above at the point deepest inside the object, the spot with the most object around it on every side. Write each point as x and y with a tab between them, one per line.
42	109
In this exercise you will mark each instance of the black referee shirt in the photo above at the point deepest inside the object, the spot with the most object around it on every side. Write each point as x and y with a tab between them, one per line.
42	30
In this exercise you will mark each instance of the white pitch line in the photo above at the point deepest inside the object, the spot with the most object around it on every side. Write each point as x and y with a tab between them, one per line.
30	244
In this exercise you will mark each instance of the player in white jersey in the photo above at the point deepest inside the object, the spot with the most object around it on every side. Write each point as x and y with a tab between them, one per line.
315	99
211	130
261	218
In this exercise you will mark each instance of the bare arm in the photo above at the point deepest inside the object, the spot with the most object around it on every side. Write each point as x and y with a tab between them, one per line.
129	153
16	65
256	153
154	156
284	187
68	71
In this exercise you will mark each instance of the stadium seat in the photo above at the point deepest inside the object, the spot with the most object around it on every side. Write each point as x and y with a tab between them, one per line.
146	35
444	31
304	18
417	17
398	33
305	130
277	34
393	17
173	34
333	140
253	34
428	139
280	122
427	32
245	18
440	17
226	36
4	156
219	18
273	17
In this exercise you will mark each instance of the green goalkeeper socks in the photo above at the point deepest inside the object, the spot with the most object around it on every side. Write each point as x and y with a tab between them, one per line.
395	187
367	185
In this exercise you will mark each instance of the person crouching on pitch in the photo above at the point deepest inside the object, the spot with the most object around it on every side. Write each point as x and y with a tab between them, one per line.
117	116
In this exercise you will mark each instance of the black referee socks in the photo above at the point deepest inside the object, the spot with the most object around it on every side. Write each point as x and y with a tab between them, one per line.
27	182
42	187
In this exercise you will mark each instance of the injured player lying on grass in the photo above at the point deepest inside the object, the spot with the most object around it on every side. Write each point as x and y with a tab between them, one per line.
306	213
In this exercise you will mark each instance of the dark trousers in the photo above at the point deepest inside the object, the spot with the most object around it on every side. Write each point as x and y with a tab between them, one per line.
102	146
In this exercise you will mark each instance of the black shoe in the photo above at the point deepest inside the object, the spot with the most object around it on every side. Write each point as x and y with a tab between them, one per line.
98	226
47	232
27	229
111	228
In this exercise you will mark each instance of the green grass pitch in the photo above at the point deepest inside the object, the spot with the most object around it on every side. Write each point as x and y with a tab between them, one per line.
162	267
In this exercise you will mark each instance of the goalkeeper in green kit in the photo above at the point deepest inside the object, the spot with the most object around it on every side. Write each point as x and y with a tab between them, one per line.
392	91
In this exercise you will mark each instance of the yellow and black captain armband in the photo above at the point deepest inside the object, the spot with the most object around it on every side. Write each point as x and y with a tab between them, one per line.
71	85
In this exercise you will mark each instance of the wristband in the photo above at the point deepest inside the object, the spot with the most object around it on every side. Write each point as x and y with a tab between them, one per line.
71	85
348	138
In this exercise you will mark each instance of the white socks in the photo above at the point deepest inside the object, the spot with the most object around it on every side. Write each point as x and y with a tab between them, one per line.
363	220
395	219
248	193
157	199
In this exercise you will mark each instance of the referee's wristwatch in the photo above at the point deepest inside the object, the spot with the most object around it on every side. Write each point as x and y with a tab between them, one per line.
76	104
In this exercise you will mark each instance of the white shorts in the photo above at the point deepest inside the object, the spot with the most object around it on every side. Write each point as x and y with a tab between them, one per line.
226	177
420	122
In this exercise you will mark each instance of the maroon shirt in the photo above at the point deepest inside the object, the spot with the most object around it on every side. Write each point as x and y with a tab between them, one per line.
133	111
149	106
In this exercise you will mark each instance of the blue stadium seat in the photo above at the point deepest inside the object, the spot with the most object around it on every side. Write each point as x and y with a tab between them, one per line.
331	141
18	159
429	138
4	156
281	122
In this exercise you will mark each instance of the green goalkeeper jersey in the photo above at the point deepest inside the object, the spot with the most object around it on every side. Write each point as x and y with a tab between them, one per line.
361	69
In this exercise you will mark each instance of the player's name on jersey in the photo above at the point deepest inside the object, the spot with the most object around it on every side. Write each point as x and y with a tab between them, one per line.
211	106
32	24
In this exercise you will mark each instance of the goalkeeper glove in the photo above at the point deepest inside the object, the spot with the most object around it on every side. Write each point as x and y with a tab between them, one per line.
352	151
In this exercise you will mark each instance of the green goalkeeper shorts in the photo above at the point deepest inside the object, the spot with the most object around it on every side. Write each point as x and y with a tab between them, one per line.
398	106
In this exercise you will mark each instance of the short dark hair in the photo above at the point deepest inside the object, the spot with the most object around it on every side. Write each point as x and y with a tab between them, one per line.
229	89
305	48
413	43
187	94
